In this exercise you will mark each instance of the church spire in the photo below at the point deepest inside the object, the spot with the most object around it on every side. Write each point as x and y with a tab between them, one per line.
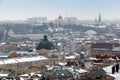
99	18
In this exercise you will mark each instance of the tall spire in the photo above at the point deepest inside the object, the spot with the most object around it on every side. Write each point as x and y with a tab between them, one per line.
99	18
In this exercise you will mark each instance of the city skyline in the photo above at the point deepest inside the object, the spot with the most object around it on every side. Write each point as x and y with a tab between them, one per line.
82	9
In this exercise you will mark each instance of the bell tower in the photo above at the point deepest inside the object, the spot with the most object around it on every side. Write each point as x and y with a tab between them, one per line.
99	18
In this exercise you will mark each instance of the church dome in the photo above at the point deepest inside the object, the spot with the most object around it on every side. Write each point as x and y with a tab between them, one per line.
60	17
45	44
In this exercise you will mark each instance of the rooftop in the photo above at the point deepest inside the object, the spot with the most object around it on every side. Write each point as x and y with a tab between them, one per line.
21	59
108	71
102	45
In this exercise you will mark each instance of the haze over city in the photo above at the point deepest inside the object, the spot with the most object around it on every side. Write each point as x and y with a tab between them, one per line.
82	9
59	40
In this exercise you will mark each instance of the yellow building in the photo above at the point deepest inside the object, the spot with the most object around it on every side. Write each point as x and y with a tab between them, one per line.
44	52
101	49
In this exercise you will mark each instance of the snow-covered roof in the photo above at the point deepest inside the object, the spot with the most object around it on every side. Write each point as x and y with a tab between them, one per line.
70	57
23	52
78	70
91	58
92	32
22	77
4	74
108	71
102	26
81	71
62	63
88	64
111	59
50	67
21	59
82	52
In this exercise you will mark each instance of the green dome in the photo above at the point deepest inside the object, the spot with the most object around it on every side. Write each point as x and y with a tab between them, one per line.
45	44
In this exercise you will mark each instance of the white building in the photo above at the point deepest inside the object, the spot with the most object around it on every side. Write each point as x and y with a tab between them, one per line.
67	47
70	20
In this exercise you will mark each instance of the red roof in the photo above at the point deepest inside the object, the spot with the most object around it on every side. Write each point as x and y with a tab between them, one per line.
13	54
116	44
102	57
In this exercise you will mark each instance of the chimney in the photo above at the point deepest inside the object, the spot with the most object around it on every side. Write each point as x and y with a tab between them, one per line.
113	69
117	67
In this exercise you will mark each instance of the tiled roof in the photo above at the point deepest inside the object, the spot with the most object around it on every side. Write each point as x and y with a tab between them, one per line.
14	54
102	45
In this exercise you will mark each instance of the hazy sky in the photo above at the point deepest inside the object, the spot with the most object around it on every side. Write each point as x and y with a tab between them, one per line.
83	9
